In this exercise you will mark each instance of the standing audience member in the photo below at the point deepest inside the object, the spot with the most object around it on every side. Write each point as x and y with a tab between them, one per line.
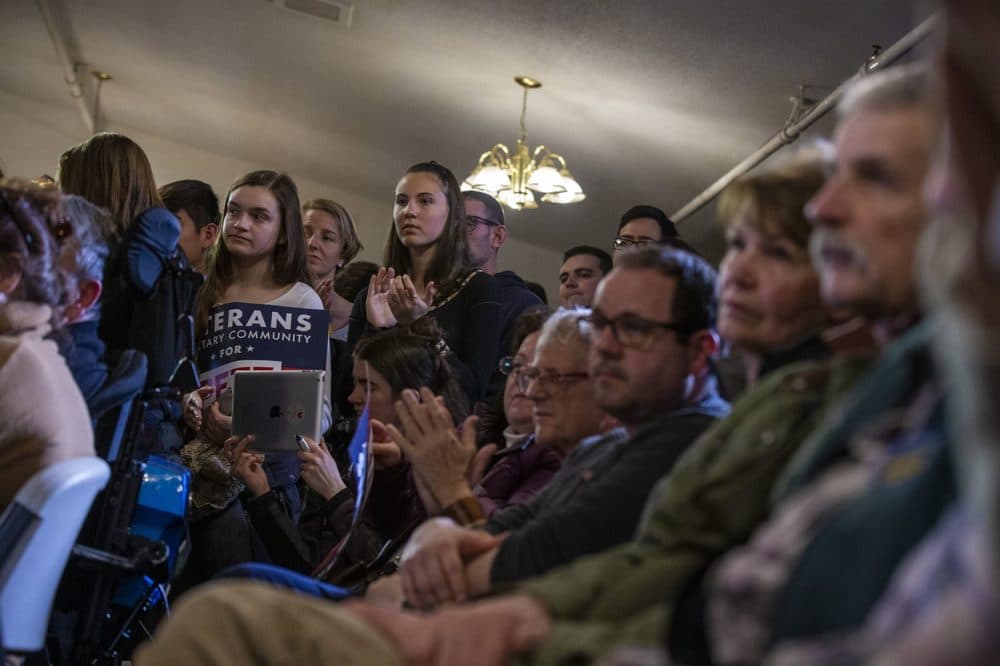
641	225
487	234
196	206
140	311
261	258
44	416
331	243
582	268
427	272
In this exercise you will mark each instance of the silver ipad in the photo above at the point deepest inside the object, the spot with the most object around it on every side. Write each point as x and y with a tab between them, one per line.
276	405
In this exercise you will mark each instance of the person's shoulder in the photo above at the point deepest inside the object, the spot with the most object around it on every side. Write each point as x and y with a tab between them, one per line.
160	222
479	278
598	445
35	360
513	287
471	288
301	295
508	279
483	285
810	376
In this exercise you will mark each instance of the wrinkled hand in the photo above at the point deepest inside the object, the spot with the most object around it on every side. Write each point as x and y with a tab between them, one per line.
377	309
433	563
385	451
406	303
247	465
487	633
217	427
320	471
194	406
440	458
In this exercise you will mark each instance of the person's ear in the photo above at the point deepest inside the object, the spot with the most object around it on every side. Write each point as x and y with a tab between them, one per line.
498	237
87	295
90	293
208	234
702	346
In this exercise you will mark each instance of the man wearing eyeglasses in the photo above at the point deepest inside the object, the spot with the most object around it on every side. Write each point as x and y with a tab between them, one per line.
487	234
641	225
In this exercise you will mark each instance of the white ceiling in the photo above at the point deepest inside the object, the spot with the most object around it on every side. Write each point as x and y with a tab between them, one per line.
649	101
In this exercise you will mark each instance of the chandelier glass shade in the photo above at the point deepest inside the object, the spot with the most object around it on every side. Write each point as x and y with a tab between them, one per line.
515	177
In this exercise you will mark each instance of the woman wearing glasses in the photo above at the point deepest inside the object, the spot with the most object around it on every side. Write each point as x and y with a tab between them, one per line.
427	272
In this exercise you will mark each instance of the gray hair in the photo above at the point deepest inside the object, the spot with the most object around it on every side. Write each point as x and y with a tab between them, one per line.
563	328
899	88
84	257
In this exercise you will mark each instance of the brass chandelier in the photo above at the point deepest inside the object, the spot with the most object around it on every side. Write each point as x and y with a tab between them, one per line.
513	179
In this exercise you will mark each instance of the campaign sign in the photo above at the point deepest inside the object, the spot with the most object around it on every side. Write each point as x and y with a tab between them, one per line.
248	336
361	463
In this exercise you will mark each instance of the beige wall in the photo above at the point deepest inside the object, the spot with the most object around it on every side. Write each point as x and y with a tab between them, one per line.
33	135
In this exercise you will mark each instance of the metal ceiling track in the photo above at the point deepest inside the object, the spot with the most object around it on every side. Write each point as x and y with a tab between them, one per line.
793	130
59	42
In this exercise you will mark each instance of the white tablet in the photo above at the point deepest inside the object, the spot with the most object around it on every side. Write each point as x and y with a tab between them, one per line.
276	405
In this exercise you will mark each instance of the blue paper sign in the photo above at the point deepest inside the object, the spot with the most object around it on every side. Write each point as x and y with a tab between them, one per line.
358	450
248	336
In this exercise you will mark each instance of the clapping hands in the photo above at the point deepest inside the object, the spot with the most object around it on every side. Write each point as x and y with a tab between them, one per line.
439	456
395	300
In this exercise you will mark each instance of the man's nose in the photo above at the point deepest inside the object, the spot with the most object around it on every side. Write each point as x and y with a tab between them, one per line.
828	206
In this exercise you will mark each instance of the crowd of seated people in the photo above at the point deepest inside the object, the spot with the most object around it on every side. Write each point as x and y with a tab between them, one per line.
565	486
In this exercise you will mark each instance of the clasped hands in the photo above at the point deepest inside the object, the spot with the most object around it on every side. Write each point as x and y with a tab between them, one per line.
395	300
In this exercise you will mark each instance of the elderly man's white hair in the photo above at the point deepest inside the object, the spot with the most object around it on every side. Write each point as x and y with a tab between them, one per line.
563	328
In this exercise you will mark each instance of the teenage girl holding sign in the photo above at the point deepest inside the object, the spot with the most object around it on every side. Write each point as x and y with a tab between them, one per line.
259	258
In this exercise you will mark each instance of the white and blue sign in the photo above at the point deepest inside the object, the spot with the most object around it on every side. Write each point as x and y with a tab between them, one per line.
248	336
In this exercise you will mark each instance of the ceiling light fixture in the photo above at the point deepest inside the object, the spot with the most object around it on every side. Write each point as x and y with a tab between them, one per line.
514	179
